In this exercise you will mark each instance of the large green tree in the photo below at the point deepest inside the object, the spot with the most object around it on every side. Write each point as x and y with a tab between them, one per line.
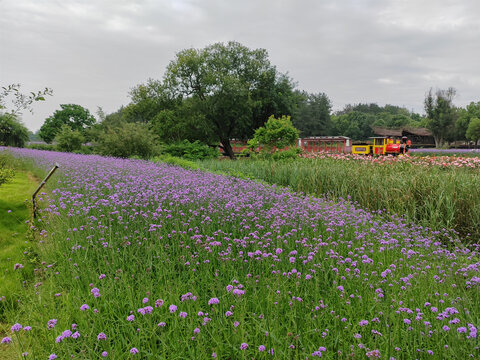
441	114
312	116
234	88
75	116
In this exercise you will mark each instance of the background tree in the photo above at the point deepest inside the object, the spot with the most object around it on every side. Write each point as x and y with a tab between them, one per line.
312	116
75	116
147	100
12	103
234	88
441	114
12	131
69	140
471	111
473	131
356	125
277	133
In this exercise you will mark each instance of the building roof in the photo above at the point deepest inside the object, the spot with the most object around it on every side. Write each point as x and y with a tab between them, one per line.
386	132
402	131
418	131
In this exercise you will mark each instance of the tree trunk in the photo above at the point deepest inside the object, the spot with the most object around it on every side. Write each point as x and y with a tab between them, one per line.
438	141
228	148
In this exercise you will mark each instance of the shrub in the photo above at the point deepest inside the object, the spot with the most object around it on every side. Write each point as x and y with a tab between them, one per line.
191	151
47	147
69	140
12	131
291	153
6	173
173	160
277	134
126	140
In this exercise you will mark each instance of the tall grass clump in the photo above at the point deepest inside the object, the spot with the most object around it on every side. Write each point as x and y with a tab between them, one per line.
439	197
145	260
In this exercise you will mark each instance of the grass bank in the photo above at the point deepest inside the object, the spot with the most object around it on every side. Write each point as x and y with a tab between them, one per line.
14	246
432	196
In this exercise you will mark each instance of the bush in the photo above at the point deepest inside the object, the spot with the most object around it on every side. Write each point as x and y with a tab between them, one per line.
277	133
291	153
127	140
69	140
12	131
191	151
6	173
173	160
47	147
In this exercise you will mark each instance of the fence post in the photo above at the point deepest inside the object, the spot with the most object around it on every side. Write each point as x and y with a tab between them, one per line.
40	186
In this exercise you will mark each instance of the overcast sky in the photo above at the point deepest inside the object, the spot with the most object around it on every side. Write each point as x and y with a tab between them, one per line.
93	52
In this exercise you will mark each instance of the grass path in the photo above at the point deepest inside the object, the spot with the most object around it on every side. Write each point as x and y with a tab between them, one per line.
13	237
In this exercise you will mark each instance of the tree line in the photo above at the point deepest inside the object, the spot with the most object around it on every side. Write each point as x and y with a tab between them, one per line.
224	92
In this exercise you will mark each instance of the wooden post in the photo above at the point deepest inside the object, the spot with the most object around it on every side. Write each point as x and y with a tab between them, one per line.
40	186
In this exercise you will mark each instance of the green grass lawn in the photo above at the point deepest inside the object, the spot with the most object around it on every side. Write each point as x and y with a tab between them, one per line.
14	241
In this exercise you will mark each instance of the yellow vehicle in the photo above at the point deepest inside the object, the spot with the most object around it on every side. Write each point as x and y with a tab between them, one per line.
383	146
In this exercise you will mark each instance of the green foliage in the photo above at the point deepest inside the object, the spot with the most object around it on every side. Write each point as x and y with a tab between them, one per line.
126	140
174	160
19	101
46	147
441	114
471	111
69	140
312	117
6	171
191	151
277	134
473	131
12	131
183	122
147	101
75	116
291	153
232	87
356	125
355	121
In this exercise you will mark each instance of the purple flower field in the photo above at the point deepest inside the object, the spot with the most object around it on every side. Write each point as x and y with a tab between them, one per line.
143	260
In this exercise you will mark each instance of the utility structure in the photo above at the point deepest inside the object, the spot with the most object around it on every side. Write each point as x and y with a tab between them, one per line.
40	186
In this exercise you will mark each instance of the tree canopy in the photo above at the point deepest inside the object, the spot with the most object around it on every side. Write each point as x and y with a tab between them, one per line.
312	116
441	114
75	116
231	88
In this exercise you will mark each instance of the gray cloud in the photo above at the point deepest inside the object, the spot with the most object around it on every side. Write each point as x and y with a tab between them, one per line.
386	51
